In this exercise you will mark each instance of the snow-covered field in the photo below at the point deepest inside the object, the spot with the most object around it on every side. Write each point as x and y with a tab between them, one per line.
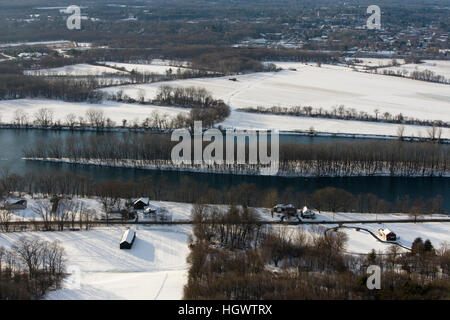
155	268
240	120
362	242
244	120
75	70
325	87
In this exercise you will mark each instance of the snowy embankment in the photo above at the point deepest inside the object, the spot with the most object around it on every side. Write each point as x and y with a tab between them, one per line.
155	268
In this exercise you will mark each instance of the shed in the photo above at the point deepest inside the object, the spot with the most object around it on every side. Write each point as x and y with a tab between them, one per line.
128	238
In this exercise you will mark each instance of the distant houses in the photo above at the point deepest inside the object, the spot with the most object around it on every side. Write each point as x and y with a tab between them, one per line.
128	238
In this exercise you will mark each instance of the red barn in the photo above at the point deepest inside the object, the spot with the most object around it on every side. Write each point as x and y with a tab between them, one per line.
387	235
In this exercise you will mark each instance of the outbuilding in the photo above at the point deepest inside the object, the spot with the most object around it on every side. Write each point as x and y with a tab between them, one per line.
128	238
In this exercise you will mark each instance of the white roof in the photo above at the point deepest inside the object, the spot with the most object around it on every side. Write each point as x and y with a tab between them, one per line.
128	236
386	231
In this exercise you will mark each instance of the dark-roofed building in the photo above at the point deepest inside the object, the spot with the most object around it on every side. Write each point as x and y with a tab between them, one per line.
141	203
128	238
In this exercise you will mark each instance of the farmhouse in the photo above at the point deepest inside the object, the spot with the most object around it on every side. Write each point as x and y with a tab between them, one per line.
387	235
20	204
141	203
127	240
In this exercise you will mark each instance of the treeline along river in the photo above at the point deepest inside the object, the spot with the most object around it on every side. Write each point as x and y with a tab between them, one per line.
13	142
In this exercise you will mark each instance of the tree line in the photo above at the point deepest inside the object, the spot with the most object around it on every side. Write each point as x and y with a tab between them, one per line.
189	190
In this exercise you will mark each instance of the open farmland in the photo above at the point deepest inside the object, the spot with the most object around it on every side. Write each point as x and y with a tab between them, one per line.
155	268
325	87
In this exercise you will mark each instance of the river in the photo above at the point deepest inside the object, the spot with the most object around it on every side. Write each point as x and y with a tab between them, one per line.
14	141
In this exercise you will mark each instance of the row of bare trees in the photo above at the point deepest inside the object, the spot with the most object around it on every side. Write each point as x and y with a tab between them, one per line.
343	113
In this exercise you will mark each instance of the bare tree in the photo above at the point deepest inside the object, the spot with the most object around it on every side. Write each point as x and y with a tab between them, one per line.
44	117
28	250
44	210
96	117
5	220
71	120
400	132
20	117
